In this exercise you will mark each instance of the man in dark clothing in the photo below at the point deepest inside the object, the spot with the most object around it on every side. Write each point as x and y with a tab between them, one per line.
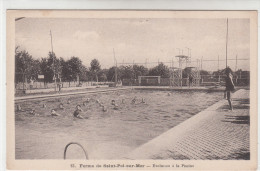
229	86
190	80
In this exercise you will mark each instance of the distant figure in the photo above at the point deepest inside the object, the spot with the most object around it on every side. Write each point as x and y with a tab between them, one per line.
18	108
59	86
190	80
76	113
104	109
61	106
88	100
53	113
143	100
169	94
229	87
31	83
113	102
44	105
116	107
134	100
32	112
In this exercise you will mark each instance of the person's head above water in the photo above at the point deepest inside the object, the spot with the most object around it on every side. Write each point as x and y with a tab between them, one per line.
113	102
78	107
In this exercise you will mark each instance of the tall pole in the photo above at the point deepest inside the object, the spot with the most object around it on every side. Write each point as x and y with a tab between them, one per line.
201	63
115	67
218	62
236	64
190	56
226	42
218	70
53	62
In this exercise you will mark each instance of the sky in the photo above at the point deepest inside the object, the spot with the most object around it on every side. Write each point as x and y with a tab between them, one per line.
135	40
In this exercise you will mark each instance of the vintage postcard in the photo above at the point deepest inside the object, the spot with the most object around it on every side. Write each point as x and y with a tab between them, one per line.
131	90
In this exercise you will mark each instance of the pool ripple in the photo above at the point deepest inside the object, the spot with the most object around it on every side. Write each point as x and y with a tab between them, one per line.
107	135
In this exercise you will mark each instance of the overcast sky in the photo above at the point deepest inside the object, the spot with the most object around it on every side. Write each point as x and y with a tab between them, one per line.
137	40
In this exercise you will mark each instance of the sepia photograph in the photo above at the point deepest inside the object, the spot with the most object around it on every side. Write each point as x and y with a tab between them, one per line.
130	86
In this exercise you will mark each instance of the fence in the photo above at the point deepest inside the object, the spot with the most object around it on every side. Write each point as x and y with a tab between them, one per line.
42	85
204	80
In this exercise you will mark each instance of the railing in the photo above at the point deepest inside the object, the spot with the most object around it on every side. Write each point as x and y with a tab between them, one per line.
66	147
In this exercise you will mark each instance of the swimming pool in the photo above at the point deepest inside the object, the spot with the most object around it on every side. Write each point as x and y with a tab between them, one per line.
105	135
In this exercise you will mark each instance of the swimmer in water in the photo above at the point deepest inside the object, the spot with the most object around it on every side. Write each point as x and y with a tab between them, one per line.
53	113
104	109
18	108
116	107
134	100
113	102
97	101
77	112
61	106
32	112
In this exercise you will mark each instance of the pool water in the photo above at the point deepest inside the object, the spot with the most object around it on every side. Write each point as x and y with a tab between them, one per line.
104	135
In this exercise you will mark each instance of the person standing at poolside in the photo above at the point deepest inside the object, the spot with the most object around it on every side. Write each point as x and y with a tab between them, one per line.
190	79
229	86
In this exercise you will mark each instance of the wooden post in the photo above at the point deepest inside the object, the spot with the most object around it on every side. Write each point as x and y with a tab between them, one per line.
226	42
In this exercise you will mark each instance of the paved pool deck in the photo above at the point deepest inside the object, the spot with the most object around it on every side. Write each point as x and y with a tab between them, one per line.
213	134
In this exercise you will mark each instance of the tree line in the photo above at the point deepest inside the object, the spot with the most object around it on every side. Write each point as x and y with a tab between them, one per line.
26	67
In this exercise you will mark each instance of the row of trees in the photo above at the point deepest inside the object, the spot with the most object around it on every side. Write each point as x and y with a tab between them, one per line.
52	67
73	69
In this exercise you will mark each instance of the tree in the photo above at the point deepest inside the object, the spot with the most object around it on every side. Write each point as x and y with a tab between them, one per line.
83	73
102	75
49	66
139	70
95	67
160	70
74	65
204	72
25	66
111	74
127	72
73	68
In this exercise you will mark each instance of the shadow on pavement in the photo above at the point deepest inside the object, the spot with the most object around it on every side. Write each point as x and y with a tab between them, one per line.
237	119
240	154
